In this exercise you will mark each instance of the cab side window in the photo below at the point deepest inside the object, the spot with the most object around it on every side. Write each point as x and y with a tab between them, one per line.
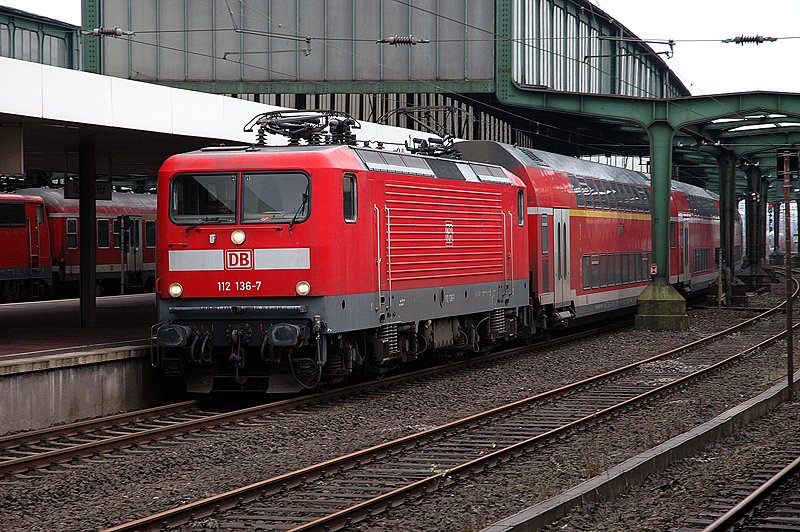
350	198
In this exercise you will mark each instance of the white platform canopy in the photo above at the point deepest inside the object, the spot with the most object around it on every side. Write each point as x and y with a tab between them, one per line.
45	112
59	120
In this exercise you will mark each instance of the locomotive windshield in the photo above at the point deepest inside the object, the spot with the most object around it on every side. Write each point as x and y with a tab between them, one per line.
276	197
200	198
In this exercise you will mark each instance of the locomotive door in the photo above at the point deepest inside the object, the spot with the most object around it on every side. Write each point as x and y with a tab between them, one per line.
685	275
561	260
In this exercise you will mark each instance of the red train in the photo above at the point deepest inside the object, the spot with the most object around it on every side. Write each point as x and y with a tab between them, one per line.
280	268
40	234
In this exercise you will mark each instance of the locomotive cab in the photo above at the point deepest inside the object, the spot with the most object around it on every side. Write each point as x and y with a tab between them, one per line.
238	249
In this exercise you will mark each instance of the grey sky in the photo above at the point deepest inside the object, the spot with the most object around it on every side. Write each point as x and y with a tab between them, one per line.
715	67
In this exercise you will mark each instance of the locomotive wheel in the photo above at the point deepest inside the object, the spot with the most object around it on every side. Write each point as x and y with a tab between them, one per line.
447	356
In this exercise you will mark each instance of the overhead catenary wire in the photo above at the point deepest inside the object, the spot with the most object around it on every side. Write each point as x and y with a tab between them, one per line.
500	111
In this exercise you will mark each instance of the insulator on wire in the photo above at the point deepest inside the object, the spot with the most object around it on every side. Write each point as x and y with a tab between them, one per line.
747	39
397	40
116	31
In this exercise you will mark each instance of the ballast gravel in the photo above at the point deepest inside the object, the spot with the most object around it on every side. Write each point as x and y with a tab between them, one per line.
112	489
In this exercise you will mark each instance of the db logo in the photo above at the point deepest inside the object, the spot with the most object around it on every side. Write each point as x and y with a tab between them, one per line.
238	259
448	233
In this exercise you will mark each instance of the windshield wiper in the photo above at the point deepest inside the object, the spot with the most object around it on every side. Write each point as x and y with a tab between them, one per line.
300	208
202	221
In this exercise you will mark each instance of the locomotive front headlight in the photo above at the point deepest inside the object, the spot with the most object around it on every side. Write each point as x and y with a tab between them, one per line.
175	290
237	237
302	288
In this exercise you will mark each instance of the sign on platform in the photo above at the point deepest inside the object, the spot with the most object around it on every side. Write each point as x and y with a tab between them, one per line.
72	189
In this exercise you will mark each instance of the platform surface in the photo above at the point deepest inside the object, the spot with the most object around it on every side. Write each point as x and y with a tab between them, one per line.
41	327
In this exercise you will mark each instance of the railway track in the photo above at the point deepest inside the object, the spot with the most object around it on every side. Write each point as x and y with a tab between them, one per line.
26	451
771	501
339	492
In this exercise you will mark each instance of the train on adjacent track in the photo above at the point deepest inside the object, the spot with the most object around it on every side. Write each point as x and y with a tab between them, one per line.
40	256
282	268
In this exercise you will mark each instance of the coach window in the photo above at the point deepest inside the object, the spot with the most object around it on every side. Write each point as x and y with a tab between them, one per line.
545	235
604	190
626	191
595	271
672	234
72	233
103	240
115	226
589	192
203	198
581	190
586	266
603	269
640	200
276	197
576	189
150	233
12	214
623	266
618	198
350	200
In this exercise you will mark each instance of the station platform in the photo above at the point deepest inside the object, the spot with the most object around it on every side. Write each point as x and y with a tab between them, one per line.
47	327
52	370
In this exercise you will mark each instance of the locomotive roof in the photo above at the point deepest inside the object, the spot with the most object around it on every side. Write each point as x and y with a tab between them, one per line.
55	197
381	160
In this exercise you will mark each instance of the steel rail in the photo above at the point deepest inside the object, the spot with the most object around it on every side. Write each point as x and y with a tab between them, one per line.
12	440
736	514
66	452
213	505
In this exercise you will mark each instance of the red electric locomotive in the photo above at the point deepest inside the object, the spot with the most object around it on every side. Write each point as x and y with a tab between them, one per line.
283	267
44	230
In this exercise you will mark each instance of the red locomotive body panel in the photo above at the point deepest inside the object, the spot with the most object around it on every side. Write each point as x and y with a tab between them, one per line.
425	232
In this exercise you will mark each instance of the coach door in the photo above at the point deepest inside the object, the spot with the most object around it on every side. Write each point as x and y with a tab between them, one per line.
135	260
34	238
685	275
561	256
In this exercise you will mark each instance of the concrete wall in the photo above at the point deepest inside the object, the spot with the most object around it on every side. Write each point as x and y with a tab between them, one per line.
38	398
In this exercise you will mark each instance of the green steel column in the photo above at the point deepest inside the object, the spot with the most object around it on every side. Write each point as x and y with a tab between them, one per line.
661	307
776	228
751	215
90	44
726	162
661	135
762	221
797	225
